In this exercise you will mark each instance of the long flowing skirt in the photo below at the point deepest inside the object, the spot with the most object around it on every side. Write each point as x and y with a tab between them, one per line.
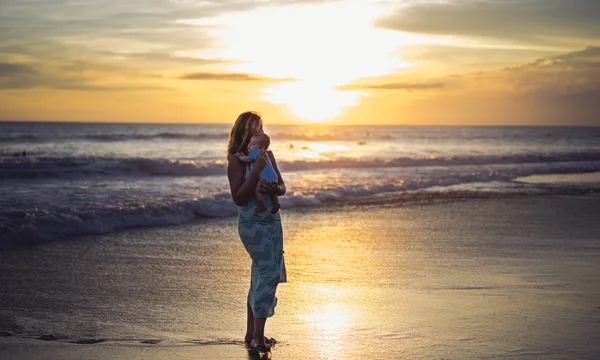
262	236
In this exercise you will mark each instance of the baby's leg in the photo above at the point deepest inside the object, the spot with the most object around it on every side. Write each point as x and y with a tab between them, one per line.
260	199
276	205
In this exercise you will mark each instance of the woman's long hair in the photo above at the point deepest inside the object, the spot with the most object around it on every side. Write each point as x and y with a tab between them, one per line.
241	132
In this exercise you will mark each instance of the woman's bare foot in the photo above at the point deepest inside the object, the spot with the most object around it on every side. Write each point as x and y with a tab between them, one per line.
268	341
259	345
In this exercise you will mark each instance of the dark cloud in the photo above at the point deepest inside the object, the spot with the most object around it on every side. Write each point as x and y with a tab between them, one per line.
574	72
67	84
17	76
557	90
20	76
228	77
463	58
15	70
222	76
91	87
588	57
162	58
535	21
394	86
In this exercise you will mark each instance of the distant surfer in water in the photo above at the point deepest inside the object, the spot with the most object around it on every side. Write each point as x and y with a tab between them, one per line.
260	232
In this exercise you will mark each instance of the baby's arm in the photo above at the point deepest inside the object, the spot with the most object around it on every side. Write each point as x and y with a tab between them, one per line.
244	158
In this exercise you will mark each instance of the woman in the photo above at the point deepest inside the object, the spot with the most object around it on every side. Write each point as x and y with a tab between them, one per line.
261	233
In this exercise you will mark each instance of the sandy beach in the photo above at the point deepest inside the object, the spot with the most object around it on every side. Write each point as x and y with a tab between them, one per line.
479	279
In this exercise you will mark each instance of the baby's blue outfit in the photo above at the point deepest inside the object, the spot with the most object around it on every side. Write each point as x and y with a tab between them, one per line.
268	172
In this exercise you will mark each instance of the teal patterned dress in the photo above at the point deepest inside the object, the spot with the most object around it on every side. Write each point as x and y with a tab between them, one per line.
262	236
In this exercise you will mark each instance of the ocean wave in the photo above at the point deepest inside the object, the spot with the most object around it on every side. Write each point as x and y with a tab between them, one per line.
113	137
416	161
74	167
30	227
164	135
339	136
124	137
38	224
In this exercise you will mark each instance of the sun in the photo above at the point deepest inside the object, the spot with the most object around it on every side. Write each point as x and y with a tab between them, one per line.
316	47
311	101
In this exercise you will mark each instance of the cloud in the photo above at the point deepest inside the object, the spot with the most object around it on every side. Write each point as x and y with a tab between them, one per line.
229	77
586	58
15	70
531	21
573	72
17	76
394	86
73	43
162	58
223	77
81	75
155	22
562	89
469	58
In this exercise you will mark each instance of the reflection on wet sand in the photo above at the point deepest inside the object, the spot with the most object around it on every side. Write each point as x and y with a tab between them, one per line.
329	274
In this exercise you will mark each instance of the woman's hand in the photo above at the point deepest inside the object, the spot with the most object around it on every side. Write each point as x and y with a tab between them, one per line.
269	187
261	161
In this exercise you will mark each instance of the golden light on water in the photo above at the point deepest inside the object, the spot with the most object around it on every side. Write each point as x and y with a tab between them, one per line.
330	319
324	147
314	151
327	293
307	154
314	48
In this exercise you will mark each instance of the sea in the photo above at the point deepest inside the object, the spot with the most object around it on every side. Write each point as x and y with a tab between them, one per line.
62	180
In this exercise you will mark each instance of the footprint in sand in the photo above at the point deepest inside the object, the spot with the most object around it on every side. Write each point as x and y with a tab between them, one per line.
150	341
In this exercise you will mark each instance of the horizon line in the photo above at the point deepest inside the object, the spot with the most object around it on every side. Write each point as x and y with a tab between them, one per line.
296	124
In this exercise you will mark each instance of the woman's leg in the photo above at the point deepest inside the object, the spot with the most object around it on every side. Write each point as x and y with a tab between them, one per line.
249	325
259	331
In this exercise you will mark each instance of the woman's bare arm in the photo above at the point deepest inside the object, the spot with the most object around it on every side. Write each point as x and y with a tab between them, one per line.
242	188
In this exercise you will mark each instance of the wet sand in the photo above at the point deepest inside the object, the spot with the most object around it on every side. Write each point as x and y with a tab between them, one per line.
481	279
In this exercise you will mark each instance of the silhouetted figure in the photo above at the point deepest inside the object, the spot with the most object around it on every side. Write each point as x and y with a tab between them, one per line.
261	234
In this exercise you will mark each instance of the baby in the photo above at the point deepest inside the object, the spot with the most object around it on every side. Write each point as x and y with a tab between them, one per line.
258	142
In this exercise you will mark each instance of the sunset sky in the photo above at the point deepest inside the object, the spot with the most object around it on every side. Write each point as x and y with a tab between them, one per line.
447	62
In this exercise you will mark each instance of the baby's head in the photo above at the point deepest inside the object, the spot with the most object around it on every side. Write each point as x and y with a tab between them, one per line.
258	142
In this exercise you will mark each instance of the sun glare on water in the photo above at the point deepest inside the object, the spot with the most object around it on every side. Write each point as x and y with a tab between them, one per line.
313	49
315	150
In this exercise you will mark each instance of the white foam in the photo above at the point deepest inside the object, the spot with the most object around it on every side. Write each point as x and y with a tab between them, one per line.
43	225
76	167
579	178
